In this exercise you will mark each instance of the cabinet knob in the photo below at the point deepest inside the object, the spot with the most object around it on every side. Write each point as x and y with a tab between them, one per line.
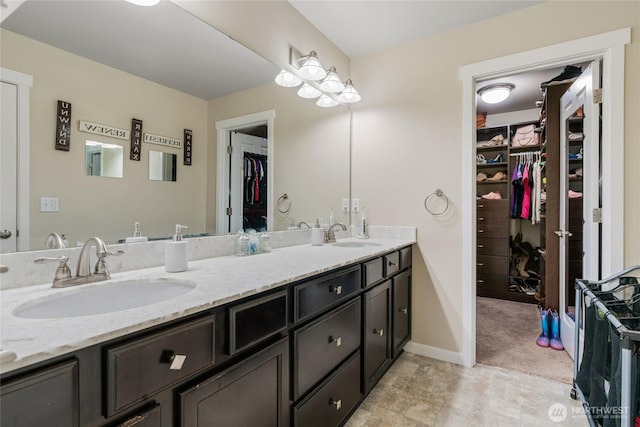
336	340
480	219
479	281
336	289
378	332
392	264
337	403
403	310
480	231
481	206
480	264
480	246
176	361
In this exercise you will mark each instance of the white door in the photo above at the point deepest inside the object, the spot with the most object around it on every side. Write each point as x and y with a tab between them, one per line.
580	205
9	172
240	144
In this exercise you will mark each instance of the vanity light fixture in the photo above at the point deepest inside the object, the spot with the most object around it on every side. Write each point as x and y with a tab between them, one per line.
144	2
308	92
332	82
325	101
349	95
311	68
287	79
495	93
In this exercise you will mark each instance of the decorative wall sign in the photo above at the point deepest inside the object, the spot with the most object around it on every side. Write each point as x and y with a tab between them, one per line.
136	140
162	140
63	126
104	130
188	140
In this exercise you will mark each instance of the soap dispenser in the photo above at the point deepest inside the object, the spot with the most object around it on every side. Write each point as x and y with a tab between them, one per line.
176	252
317	234
137	235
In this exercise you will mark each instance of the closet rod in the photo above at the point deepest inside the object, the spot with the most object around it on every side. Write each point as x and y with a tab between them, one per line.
524	153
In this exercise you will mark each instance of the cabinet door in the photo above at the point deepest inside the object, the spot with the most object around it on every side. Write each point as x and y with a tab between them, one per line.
401	312
376	333
252	393
45	398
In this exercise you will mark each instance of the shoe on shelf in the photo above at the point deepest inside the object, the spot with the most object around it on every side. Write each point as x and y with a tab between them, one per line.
481	177
480	160
580	154
574	194
494	195
575	136
579	172
573	156
497	140
499	176
569	73
498	159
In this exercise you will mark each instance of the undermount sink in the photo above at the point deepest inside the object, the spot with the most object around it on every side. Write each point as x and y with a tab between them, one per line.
356	244
103	297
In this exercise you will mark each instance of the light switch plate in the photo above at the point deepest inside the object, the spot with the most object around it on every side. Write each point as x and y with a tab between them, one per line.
355	205
49	204
345	205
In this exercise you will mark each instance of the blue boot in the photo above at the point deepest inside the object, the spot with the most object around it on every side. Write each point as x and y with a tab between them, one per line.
543	339
555	341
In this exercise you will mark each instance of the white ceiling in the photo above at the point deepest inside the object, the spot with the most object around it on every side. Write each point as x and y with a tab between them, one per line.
167	45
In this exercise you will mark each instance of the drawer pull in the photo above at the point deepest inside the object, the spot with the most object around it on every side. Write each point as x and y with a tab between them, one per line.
177	360
480	231
379	332
481	206
479	281
337	403
480	264
337	340
392	264
480	219
403	310
336	289
480	246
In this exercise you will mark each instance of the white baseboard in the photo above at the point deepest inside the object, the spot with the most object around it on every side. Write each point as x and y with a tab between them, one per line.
434	352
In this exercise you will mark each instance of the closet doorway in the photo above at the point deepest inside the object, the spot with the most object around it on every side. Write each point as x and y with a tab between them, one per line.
608	47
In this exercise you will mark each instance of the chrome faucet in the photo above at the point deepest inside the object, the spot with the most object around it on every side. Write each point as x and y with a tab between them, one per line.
84	274
301	223
330	235
54	241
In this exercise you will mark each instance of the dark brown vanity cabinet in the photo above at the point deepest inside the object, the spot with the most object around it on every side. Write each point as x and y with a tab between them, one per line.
253	392
376	336
47	397
401	312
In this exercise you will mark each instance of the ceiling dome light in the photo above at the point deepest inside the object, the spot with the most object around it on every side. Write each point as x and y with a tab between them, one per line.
311	69
495	93
332	82
308	91
349	95
144	2
325	101
286	79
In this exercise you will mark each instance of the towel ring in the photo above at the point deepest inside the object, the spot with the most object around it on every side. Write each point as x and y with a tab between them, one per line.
437	193
282	200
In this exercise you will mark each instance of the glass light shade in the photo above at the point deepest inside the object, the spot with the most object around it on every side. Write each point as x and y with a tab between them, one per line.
332	82
311	69
308	91
144	2
349	95
325	101
495	93
286	79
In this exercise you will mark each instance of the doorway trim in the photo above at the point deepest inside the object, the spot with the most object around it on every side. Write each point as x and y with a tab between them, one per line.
608	46
223	129
24	82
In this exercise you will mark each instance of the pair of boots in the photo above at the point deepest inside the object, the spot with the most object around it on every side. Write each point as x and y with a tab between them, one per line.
550	336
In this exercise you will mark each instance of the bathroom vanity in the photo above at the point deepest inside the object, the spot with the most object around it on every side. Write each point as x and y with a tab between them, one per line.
301	344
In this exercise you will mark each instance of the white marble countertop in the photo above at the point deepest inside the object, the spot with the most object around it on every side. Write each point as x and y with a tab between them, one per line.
219	280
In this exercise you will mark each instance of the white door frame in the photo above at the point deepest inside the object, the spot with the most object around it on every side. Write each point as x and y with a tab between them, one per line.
608	46
223	128
24	82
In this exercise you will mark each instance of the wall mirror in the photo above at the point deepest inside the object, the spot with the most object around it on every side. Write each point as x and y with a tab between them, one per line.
103	159
162	166
115	62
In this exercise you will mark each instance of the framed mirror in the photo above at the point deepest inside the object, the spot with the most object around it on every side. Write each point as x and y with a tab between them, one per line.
129	67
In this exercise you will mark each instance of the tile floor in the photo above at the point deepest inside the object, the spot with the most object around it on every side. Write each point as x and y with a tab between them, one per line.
418	392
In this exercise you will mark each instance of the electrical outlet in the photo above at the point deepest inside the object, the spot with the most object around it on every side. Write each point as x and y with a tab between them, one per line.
49	204
345	205
355	205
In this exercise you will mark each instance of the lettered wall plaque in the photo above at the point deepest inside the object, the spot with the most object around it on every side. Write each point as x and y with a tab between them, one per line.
188	140
63	126
136	140
104	130
162	140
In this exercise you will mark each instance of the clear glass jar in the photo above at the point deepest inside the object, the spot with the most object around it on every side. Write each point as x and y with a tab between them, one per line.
265	243
242	244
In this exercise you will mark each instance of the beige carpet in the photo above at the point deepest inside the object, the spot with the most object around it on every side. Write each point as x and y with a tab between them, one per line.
506	334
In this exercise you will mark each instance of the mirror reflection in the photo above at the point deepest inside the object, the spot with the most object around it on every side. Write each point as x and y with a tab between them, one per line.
162	166
102	76
103	159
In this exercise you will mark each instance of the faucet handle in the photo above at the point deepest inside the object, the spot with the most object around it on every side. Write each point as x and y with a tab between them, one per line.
101	265
63	271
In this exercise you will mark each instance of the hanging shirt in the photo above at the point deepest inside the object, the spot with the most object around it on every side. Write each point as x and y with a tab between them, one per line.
526	193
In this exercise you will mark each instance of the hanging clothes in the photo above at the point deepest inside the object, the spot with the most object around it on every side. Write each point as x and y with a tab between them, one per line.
536	192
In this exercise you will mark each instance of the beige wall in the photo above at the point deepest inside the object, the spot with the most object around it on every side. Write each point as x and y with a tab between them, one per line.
407	133
311	151
106	207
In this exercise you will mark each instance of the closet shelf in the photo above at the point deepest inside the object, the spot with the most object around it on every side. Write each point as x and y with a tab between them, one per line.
491	147
526	148
491	165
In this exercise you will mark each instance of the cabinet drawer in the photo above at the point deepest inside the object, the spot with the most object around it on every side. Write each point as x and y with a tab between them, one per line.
334	400
490	246
493	208
492	265
373	272
483	218
405	258
493	231
145	366
256	320
391	263
317	294
147	418
320	346
495	282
